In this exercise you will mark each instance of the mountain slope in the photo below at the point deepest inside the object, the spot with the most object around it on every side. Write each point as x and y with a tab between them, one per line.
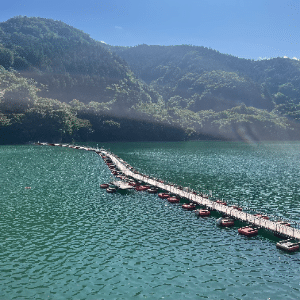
160	93
200	78
66	60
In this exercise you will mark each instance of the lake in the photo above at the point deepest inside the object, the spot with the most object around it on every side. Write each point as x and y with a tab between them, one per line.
65	238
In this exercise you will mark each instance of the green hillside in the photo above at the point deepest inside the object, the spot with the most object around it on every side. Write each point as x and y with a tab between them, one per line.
200	78
25	117
70	63
58	84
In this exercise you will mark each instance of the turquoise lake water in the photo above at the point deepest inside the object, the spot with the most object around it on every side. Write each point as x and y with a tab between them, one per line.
65	238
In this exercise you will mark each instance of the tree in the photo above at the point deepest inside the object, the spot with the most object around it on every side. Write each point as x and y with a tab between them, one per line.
6	57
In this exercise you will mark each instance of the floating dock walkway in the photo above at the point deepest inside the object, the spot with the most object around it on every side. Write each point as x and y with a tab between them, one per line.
276	227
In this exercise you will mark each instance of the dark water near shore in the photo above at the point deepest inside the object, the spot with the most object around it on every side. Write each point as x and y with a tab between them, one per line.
65	238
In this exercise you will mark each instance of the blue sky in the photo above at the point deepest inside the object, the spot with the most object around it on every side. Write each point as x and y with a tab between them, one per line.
244	28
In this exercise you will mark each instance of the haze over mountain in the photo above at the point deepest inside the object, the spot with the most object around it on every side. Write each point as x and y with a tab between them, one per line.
88	90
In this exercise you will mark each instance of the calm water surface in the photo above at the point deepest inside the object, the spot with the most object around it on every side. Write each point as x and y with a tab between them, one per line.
65	238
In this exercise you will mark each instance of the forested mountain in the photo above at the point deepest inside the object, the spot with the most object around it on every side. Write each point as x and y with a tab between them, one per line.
58	84
199	78
70	63
25	116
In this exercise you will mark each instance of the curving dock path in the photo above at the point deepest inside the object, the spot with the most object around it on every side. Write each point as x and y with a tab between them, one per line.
127	170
